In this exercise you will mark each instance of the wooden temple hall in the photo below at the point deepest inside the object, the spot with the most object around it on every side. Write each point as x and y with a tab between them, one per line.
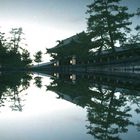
71	51
76	52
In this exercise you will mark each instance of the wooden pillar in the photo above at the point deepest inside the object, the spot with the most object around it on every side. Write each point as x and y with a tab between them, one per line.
56	75
56	63
73	60
73	77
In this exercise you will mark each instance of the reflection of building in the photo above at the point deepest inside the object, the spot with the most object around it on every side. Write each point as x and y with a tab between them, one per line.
106	100
85	86
76	92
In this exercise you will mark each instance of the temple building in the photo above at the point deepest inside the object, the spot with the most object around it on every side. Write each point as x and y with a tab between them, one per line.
71	51
76	54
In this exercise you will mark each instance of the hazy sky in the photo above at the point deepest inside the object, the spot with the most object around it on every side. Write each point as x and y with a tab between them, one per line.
45	21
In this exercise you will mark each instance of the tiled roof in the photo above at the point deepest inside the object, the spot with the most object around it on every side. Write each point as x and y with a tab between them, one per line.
67	41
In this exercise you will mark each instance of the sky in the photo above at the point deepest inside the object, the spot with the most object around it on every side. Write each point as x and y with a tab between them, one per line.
46	21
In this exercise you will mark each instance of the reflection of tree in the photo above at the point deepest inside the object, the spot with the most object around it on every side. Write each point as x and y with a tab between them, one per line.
13	96
135	100
138	126
11	89
108	116
38	81
108	107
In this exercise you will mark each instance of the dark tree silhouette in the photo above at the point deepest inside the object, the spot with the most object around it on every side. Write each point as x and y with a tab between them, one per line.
135	38
16	38
38	57
12	54
108	111
108	116
108	23
25	56
11	87
38	81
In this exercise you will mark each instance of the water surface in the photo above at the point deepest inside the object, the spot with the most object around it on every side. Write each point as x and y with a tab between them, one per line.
68	106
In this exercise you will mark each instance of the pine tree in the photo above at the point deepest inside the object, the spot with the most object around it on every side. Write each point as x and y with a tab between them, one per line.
135	38
16	38
25	56
38	57
108	23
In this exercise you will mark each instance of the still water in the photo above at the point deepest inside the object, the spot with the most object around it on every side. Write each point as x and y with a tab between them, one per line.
38	106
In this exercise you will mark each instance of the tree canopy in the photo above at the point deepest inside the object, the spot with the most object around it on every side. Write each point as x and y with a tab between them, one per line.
38	57
12	52
108	23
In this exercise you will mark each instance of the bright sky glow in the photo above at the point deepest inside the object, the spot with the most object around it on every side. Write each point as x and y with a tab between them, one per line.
46	21
43	21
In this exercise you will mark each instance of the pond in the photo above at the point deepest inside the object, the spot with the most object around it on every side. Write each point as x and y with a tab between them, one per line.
42	106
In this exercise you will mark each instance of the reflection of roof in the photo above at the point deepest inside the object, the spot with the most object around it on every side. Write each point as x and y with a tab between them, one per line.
67	97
